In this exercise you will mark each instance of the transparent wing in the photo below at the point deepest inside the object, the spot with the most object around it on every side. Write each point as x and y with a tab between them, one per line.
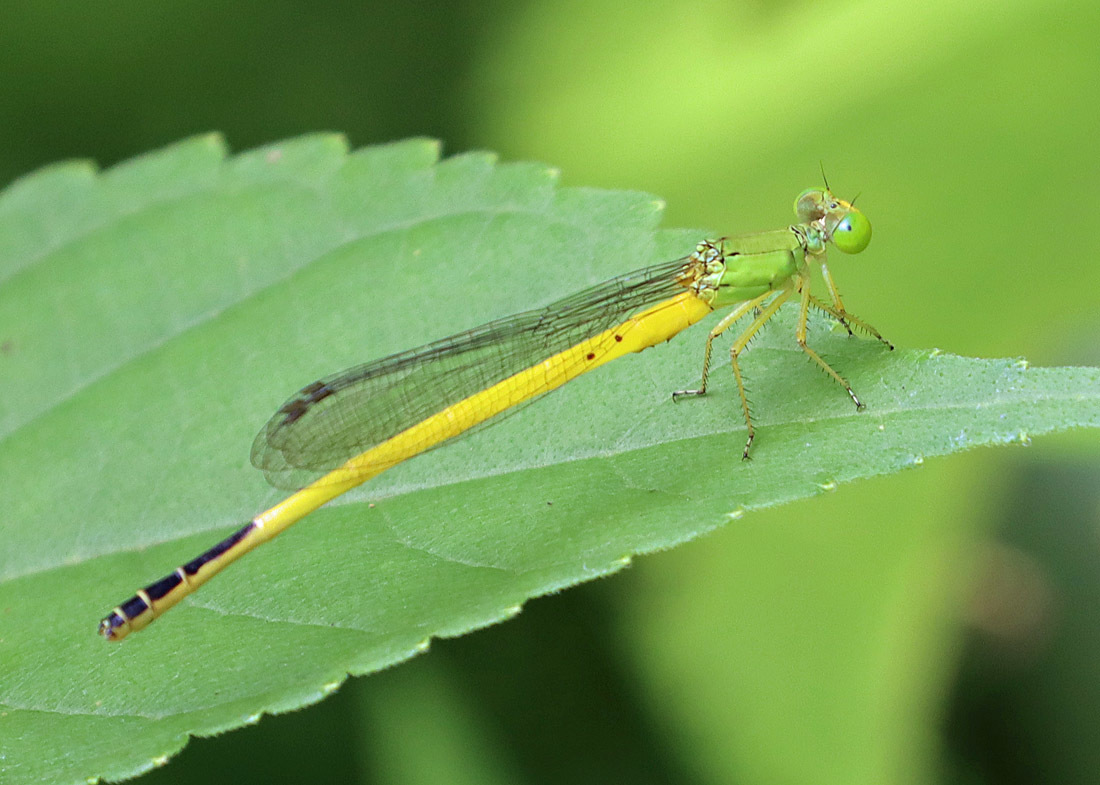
336	418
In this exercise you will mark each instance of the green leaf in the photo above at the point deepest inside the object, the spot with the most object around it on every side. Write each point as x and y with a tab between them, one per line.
152	317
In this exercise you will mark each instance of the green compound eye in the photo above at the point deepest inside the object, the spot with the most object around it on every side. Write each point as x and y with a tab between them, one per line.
853	233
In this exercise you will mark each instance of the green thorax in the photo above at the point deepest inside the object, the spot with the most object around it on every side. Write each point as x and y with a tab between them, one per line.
741	268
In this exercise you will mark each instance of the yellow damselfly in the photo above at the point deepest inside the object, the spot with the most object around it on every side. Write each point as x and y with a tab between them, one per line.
340	431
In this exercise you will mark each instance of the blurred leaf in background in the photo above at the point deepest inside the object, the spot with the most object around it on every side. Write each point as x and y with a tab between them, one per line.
819	642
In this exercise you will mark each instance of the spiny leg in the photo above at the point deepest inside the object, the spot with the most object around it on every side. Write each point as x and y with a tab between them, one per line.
800	336
838	312
838	306
720	328
739	346
847	319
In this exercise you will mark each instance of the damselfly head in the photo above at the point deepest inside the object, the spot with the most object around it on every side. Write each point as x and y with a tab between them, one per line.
841	221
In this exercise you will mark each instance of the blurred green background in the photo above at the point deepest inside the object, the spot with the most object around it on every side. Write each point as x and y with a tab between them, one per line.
936	626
